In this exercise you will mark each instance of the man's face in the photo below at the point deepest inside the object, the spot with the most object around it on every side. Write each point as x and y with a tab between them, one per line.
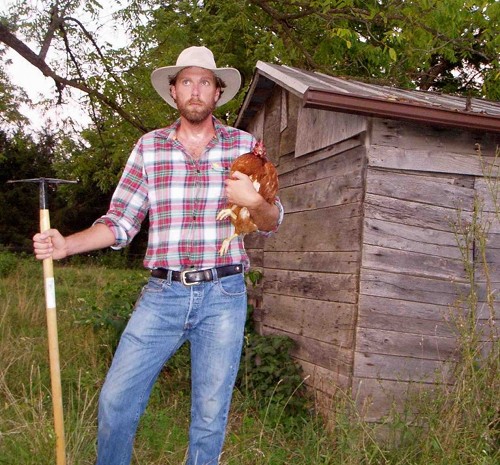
195	93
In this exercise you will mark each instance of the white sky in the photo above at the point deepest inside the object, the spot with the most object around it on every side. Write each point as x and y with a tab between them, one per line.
38	87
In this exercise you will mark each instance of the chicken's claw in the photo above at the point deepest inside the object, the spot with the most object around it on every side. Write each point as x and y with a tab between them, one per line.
226	212
225	244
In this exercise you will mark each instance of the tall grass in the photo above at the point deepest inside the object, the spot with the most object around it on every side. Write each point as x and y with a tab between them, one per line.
453	424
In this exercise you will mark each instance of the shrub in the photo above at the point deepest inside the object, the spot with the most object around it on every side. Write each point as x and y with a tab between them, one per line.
8	263
269	373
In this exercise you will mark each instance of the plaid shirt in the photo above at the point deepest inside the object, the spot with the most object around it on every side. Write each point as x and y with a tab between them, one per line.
182	196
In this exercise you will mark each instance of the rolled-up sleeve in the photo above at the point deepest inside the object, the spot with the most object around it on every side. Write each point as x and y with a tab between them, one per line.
129	204
281	210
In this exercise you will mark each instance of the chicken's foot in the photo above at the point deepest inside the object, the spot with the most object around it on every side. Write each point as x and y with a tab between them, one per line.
227	212
225	244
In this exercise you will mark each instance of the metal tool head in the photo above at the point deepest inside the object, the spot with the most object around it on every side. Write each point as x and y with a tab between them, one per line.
43	182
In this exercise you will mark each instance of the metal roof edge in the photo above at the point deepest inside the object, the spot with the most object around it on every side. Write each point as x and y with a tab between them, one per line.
273	74
295	86
369	106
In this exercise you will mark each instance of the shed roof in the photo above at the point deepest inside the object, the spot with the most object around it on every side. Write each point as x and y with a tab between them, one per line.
325	92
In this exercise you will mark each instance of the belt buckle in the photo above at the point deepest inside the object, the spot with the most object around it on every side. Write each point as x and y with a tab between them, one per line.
183	279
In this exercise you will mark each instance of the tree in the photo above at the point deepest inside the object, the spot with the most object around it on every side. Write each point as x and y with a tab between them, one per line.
12	96
449	46
22	158
429	44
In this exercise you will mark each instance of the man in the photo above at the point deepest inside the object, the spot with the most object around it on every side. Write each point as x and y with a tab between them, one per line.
178	176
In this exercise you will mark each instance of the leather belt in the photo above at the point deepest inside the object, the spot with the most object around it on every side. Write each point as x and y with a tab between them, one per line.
190	278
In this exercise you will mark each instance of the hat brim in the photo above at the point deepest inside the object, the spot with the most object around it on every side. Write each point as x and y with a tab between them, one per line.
160	78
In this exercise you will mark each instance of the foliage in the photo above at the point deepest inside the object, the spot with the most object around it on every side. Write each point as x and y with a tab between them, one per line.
269	374
462	419
21	157
11	98
110	308
448	46
8	263
267	370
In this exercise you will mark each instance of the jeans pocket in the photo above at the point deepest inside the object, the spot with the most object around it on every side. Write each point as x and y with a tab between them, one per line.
232	286
154	285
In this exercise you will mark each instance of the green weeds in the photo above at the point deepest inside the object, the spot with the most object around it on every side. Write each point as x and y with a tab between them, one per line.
272	420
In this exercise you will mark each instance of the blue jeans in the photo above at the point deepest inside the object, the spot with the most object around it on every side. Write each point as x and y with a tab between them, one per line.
211	316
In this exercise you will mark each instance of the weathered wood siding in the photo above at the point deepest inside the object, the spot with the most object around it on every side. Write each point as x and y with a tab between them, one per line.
366	272
311	267
421	185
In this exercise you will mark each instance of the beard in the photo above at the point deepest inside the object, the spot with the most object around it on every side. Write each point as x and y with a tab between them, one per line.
195	114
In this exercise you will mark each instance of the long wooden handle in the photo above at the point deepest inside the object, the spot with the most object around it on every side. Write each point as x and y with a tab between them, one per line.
55	368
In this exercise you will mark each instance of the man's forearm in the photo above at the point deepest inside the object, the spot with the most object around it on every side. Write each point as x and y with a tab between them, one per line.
96	237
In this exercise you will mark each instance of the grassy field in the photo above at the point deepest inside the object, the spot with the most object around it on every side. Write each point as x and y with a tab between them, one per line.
459	425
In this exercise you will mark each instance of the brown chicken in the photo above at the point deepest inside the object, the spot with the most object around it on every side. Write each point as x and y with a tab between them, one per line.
264	176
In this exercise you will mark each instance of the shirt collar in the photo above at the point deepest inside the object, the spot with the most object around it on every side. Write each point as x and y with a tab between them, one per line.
169	132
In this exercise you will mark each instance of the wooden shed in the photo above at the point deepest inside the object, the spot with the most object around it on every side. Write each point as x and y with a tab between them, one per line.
366	272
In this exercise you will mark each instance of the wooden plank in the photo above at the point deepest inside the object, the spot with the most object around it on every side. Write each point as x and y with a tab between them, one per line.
411	311
488	190
395	368
254	241
423	160
291	167
412	325
256	126
401	343
284	111
396	133
322	379
329	322
256	257
291	104
320	128
488	300
491	222
377	398
412	288
320	286
439	191
488	260
322	193
321	324
413	213
417	264
411	238
333	315
349	162
331	262
306	231
416	316
329	356
272	121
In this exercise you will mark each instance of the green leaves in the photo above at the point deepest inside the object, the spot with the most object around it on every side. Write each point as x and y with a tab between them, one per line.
269	374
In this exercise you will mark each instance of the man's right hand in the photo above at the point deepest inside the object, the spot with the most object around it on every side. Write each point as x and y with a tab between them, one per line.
48	244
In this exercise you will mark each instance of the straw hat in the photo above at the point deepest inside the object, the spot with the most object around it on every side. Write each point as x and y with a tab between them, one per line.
200	57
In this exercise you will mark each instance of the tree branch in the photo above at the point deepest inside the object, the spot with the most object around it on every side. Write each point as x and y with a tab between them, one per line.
428	77
38	62
55	21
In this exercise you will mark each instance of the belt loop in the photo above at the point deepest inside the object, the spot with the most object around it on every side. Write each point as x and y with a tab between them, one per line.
215	276
169	278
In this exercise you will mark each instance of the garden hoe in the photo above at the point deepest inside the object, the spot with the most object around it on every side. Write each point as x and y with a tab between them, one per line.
50	305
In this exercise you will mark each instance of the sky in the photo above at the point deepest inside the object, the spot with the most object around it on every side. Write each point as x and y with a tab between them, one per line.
39	87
